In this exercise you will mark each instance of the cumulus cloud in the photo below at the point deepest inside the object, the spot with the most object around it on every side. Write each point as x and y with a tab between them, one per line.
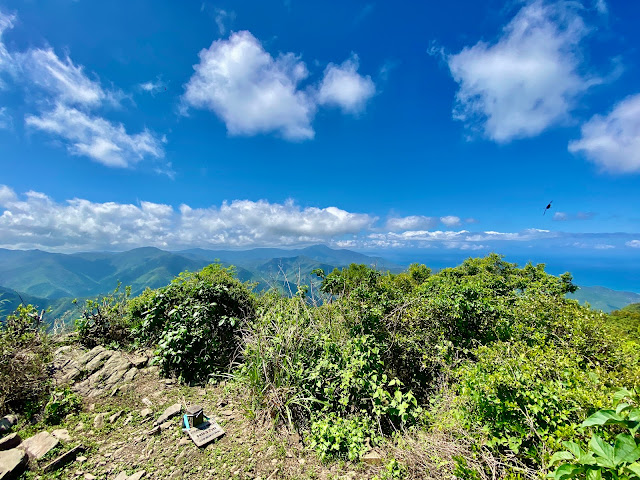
37	221
251	91
103	141
529	79
255	93
633	243
344	87
613	141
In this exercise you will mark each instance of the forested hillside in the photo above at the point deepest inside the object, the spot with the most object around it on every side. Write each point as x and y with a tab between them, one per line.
485	370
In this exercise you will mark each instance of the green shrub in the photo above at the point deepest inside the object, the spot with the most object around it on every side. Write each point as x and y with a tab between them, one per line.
528	398
194	322
61	403
105	321
614	448
25	357
347	437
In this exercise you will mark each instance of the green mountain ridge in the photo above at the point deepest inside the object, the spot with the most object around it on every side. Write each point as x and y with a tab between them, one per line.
605	299
53	280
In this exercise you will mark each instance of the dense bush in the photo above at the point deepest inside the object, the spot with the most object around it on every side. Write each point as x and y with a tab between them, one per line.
25	356
194	322
528	398
104	320
309	368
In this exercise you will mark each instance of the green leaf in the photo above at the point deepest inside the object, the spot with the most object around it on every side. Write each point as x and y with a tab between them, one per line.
634	468
594	474
603	450
561	456
566	471
602	417
574	448
621	395
625	449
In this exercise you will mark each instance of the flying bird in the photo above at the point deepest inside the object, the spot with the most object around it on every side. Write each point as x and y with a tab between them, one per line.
547	207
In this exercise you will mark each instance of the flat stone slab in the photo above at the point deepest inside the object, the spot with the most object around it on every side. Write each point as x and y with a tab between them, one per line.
10	441
12	463
38	445
205	433
170	412
63	459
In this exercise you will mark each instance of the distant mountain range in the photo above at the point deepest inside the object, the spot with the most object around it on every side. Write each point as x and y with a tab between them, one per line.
605	299
53	279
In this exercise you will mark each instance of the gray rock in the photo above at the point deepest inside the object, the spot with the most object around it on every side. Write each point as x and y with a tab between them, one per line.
10	441
137	476
154	431
170	412
12	463
121	476
7	422
62	434
90	355
113	418
97	362
139	361
145	412
63	459
131	374
39	445
98	422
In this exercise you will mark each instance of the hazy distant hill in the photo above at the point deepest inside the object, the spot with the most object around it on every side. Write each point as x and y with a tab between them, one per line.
605	299
54	279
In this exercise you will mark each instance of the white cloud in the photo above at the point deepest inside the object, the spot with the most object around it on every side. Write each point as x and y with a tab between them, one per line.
560	216
344	87
601	7
61	78
222	18
103	141
153	87
529	79
613	141
633	243
251	91
6	122
412	222
421	222
7	63
450	221
37	221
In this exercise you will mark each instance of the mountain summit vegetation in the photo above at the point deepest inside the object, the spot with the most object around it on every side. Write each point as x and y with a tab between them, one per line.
484	370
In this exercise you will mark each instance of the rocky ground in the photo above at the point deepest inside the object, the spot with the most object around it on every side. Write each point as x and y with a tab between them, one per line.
130	428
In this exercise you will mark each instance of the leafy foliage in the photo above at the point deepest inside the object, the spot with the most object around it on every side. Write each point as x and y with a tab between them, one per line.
104	320
25	356
194	322
61	403
605	456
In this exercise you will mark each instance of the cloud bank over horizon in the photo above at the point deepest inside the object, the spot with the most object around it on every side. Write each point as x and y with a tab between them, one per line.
34	220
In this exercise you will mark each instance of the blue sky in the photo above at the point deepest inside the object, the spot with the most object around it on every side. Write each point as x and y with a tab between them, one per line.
368	125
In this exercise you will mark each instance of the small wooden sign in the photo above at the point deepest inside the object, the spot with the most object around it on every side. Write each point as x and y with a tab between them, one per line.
205	433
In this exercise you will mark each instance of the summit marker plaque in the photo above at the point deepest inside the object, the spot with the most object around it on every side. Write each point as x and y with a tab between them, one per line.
205	433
